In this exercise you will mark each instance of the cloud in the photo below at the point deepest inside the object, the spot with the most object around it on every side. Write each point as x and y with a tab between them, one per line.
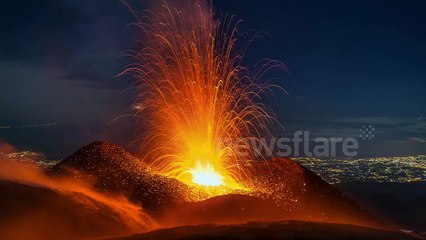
416	139
39	94
30	125
418	126
369	120
80	37
58	63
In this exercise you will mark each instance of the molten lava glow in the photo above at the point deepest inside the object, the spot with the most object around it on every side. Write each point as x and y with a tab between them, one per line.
206	175
194	96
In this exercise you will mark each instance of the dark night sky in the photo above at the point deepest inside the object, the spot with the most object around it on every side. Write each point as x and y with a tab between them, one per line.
352	63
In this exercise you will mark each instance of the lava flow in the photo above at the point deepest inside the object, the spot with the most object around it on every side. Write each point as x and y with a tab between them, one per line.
195	98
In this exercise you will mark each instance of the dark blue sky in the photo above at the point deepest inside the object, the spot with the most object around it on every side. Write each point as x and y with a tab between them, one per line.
352	63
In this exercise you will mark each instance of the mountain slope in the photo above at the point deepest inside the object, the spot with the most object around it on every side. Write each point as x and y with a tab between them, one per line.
115	170
290	191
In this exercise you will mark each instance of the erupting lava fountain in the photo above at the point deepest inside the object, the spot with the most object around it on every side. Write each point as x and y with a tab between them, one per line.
194	97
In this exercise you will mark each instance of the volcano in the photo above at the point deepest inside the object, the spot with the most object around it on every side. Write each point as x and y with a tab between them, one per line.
104	191
294	192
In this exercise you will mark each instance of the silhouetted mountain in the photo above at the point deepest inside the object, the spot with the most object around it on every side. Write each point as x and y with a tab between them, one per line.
383	197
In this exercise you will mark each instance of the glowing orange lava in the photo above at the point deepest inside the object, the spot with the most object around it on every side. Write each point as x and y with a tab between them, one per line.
194	96
206	175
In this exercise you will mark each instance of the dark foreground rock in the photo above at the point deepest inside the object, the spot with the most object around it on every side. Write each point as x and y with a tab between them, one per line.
272	231
28	211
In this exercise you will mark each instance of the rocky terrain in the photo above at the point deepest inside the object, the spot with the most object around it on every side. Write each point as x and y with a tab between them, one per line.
143	201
